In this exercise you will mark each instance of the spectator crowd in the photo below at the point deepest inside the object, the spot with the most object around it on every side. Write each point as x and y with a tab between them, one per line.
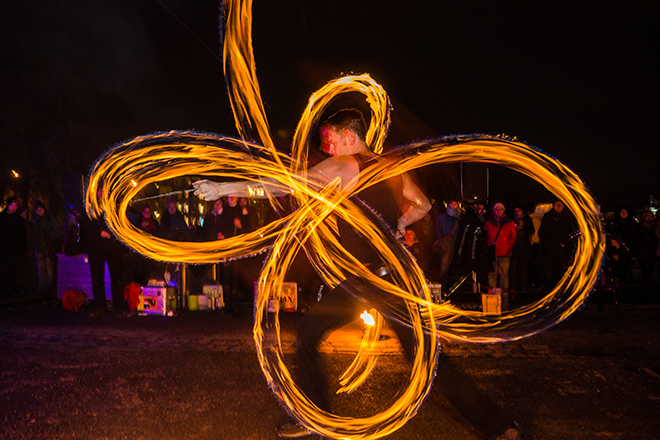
517	248
527	249
30	241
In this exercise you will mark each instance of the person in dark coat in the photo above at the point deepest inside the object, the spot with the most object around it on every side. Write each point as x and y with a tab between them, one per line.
554	234
522	250
145	268
624	225
27	275
471	246
172	219
618	263
102	248
222	222
173	226
49	234
13	242
246	270
424	230
647	246
146	221
248	216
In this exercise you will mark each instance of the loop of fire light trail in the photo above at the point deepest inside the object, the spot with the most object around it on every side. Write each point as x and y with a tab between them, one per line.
129	167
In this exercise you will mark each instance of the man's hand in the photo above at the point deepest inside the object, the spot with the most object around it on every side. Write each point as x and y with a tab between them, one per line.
208	190
400	228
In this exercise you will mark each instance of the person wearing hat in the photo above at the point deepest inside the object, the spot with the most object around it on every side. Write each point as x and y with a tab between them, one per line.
502	235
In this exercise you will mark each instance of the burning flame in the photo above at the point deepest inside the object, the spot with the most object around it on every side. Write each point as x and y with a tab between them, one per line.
126	169
368	319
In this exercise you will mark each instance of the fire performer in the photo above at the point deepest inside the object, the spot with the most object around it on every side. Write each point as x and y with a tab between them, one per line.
343	139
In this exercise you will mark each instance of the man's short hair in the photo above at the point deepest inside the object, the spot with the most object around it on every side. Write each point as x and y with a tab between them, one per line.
350	119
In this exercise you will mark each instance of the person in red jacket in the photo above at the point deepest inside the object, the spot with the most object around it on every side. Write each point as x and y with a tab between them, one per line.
502	236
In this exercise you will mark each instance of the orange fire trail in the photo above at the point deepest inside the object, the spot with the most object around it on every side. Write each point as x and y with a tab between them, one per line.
128	168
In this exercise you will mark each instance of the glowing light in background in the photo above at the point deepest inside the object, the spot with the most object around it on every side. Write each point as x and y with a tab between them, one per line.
126	169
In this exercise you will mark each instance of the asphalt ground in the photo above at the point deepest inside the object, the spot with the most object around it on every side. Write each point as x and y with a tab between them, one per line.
197	376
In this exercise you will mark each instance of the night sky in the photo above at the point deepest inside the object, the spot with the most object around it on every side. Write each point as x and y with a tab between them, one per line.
578	80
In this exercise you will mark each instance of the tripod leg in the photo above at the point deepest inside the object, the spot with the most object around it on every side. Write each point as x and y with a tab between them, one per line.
458	284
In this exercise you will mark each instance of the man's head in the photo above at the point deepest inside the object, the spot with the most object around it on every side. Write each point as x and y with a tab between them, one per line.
232	199
558	206
146	211
171	206
343	133
410	238
217	206
453	209
480	209
498	210
12	204
39	208
518	211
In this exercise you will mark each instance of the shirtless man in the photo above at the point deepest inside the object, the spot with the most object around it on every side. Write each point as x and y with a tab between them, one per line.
343	139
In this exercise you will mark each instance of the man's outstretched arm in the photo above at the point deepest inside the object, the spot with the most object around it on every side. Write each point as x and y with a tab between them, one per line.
343	167
418	203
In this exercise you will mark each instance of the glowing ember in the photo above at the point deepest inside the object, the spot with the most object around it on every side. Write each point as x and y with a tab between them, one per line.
367	318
